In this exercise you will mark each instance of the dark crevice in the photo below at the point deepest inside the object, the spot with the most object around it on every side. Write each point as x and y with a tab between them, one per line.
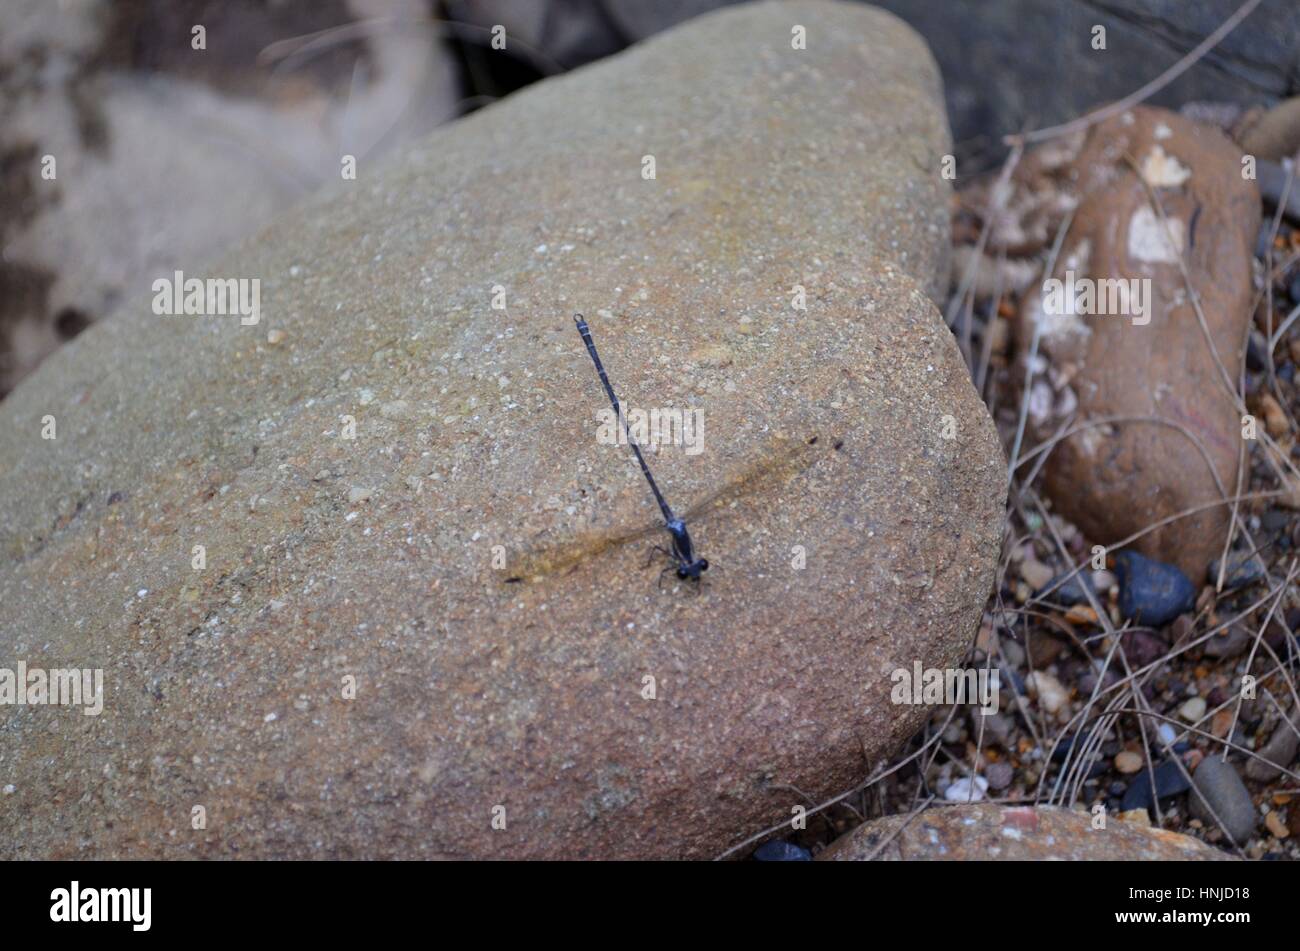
1180	41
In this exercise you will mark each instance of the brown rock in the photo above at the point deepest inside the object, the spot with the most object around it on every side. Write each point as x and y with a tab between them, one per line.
478	698
1128	762
1229	642
1276	826
1117	479
986	832
1274	135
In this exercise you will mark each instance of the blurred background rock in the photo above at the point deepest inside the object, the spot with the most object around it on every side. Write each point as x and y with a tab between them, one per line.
168	154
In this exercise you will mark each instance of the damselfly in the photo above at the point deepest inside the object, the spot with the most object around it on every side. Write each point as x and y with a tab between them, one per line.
683	550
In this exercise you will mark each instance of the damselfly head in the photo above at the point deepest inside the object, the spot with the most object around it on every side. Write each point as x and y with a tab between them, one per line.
693	569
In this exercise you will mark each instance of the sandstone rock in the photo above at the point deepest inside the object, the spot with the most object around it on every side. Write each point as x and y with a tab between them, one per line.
520	694
1014	833
1116	479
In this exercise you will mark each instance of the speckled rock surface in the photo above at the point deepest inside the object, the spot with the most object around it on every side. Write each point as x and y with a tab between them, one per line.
991	832
328	558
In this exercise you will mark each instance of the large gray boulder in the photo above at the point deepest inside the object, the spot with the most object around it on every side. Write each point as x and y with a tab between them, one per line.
347	674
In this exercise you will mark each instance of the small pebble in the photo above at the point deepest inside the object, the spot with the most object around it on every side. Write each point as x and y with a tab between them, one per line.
1241	571
275	336
1139	816
1035	573
1143	647
1067	590
997	727
1256	351
1222	789
1170	781
1229	642
1193	710
1064	747
966	790
1012	652
358	494
1128	762
999	775
779	850
1276	754
1276	826
1052	697
1152	592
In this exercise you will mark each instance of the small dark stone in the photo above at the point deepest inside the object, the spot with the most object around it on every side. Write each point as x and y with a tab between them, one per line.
1066	589
1182	630
999	775
1170	782
1242	570
1143	647
1293	288
1063	748
1152	592
1276	633
1235	640
996	727
1256	352
779	850
1286	371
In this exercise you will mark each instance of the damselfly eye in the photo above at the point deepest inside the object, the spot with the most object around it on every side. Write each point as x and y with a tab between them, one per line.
704	564
681	573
